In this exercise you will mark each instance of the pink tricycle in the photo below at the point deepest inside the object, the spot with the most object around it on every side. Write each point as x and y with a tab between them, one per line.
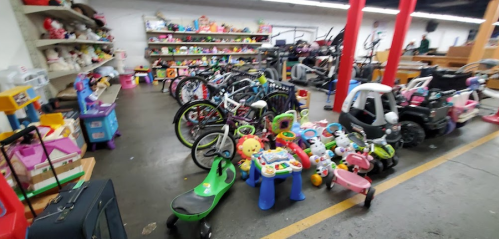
352	180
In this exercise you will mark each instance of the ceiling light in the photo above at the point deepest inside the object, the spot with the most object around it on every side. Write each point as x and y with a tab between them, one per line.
384	11
447	17
381	10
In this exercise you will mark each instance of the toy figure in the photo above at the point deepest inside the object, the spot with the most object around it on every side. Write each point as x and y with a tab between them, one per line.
54	28
213	27
209	39
191	50
170	38
189	28
321	156
164	50
236	49
188	39
181	28
238	39
204	61
214	50
246	147
253	40
343	144
213	60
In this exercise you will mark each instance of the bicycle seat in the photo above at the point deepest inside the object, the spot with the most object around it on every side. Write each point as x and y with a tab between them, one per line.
259	104
205	73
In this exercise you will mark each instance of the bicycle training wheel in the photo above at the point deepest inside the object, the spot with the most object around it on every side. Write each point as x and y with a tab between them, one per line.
210	141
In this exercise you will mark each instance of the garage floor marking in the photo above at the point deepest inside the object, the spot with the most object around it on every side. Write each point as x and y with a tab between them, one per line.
318	217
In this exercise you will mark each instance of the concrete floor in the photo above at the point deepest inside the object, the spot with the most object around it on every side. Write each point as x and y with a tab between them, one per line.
150	167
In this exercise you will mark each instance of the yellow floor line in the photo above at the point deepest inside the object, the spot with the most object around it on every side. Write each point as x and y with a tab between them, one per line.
316	218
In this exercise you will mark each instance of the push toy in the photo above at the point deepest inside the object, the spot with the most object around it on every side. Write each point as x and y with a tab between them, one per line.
322	158
197	203
352	180
272	164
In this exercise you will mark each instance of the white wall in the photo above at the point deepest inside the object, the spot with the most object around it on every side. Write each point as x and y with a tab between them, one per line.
13	50
125	18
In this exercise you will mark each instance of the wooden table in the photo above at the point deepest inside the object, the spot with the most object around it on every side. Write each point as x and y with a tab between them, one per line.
403	75
444	61
40	202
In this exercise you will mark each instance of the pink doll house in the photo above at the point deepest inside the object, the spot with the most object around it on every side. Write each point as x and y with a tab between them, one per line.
33	169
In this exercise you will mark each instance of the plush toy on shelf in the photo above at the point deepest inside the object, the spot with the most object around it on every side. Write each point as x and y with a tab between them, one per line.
84	57
92	36
81	31
54	28
90	51
64	52
55	62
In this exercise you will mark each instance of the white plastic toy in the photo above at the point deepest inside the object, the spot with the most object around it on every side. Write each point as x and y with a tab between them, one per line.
321	157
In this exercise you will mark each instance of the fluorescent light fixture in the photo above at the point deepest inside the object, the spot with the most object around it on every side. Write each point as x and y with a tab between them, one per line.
447	17
384	11
381	10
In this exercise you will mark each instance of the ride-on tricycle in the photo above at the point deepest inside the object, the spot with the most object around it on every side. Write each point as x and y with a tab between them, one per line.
352	180
197	203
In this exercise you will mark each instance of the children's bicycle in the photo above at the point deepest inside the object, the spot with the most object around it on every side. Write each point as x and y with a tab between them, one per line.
195	118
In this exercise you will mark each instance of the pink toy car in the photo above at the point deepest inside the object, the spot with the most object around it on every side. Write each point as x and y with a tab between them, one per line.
352	180
415	85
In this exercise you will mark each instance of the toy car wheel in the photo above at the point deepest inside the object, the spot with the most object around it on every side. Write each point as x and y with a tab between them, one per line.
369	197
395	161
205	232
376	166
412	134
329	181
316	180
170	222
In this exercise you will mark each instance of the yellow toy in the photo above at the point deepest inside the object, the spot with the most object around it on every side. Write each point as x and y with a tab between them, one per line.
246	147
17	98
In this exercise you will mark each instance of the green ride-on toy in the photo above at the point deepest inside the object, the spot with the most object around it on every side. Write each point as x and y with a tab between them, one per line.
197	203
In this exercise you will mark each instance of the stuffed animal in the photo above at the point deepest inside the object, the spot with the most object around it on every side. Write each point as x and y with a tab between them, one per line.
92	36
90	50
81	31
85	56
54	28
55	62
64	52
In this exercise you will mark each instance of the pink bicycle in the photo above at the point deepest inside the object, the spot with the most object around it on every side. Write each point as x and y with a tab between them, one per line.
352	180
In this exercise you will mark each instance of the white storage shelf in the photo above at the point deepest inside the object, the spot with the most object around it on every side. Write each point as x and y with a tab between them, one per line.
206	43
57	74
210	33
49	42
62	13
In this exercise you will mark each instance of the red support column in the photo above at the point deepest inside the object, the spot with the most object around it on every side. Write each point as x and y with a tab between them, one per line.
402	24
354	19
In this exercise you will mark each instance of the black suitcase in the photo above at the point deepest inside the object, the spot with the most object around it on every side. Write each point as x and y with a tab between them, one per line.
83	210
86	211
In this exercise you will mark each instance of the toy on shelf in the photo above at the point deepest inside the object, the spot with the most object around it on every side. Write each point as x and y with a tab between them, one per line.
142	71
20	97
351	180
100	119
55	62
54	28
272	164
246	147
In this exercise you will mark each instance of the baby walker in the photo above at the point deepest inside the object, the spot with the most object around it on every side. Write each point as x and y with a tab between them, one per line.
197	203
351	180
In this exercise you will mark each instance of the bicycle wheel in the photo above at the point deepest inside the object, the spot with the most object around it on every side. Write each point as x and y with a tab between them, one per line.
192	88
195	119
279	102
173	85
209	141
